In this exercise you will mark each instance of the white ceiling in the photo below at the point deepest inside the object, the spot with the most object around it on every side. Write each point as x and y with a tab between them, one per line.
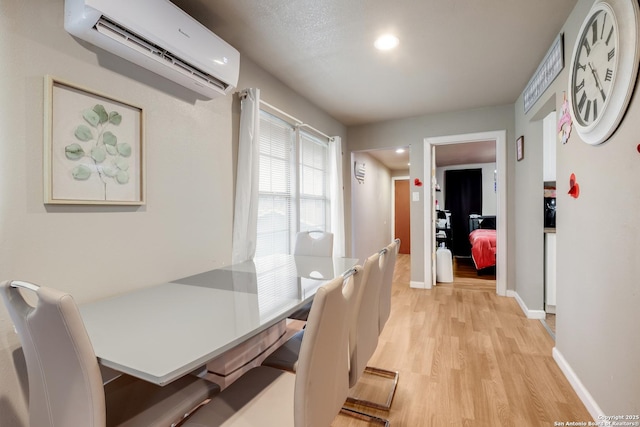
391	159
453	54
466	153
446	155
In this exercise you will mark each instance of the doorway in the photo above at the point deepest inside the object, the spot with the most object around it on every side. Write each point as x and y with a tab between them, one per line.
401	213
501	163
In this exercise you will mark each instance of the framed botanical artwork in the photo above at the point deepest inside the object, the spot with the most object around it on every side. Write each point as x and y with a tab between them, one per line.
520	148
93	148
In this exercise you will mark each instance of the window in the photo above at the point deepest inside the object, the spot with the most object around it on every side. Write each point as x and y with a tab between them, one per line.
293	185
314	200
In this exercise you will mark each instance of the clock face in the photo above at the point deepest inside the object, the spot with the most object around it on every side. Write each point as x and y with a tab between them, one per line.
594	67
604	68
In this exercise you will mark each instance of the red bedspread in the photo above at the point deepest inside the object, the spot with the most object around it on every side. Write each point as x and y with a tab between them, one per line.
483	247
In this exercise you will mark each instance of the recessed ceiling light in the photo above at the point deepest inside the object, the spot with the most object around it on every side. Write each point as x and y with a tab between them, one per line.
386	42
400	150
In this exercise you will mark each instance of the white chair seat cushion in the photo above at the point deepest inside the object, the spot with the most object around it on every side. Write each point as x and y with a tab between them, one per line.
262	397
132	402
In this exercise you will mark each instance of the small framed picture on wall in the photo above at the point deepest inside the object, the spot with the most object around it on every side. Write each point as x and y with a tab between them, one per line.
520	148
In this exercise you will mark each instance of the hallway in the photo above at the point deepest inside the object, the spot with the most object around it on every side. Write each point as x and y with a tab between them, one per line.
468	357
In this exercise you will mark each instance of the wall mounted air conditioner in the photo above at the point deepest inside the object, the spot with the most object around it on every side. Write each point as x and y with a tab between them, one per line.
159	36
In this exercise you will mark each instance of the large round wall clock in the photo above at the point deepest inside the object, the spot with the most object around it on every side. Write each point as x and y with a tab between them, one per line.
604	68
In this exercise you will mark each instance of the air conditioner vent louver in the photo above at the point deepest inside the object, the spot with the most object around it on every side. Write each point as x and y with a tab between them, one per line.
128	38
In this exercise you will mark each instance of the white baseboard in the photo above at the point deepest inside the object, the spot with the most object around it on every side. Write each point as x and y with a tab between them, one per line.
418	285
531	314
582	392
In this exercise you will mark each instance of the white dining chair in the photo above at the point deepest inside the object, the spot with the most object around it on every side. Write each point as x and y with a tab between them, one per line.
313	243
387	281
383	273
313	396
65	384
363	333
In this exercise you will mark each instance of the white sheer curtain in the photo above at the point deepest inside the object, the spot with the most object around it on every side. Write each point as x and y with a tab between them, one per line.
245	218
336	190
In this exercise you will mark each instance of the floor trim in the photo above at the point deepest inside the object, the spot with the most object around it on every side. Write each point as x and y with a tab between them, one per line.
418	285
551	333
578	387
531	314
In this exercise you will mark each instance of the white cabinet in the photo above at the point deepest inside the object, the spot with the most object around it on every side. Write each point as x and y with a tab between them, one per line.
549	147
550	271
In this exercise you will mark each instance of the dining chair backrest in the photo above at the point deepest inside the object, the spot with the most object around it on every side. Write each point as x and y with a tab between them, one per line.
65	384
314	243
389	259
321	383
364	330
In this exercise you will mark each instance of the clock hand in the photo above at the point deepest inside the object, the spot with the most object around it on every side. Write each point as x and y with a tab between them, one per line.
598	85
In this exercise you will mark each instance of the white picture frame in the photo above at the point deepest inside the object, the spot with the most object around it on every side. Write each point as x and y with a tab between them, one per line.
93	147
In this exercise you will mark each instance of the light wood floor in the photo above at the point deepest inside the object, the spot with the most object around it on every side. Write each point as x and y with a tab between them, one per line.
468	357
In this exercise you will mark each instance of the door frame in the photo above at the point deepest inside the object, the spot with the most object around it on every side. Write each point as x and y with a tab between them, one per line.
393	201
500	138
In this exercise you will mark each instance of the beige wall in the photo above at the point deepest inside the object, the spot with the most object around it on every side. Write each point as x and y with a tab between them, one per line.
412	132
93	252
371	207
598	244
399	173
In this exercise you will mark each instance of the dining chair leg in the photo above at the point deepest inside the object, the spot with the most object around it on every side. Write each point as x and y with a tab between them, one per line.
383	373
371	419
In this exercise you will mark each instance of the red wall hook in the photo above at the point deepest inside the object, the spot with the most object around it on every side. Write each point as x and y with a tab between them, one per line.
574	188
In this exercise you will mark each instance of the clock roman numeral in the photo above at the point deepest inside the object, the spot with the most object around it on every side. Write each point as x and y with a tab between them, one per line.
595	109
580	86
609	75
609	36
604	22
594	31
611	54
587	46
582	67
583	99
587	111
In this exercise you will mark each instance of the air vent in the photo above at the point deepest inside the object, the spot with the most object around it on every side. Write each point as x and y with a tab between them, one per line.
120	34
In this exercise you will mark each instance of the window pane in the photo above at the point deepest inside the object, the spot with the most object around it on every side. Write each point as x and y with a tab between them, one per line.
272	243
275	186
274	176
273	213
313	173
276	138
320	153
312	214
314	152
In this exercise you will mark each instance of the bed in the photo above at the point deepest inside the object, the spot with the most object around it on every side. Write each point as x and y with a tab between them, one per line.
482	237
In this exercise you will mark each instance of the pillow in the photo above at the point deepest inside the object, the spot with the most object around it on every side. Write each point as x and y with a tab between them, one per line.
488	224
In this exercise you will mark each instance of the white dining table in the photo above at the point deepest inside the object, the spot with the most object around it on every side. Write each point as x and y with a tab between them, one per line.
163	332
